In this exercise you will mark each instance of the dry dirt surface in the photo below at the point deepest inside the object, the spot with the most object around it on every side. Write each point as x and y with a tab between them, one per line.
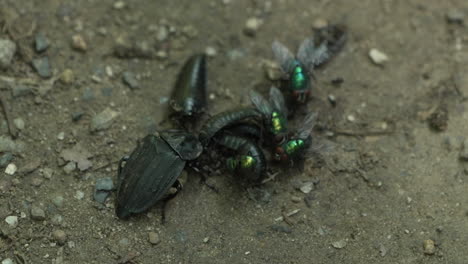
89	78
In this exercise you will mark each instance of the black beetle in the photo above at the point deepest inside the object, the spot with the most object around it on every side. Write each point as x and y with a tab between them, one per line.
218	122
188	99
153	168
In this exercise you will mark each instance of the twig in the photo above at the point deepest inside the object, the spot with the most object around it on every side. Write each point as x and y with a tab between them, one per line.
11	127
361	133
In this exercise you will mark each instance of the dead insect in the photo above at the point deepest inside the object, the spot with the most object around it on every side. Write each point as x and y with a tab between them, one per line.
153	168
188	99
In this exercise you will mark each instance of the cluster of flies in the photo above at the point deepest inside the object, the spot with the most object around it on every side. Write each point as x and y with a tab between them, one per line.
146	176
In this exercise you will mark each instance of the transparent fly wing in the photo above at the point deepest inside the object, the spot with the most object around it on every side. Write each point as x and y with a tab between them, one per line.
283	56
308	124
312	56
320	147
260	103
277	101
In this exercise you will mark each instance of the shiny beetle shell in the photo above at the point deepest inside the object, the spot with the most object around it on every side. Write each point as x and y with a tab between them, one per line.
189	95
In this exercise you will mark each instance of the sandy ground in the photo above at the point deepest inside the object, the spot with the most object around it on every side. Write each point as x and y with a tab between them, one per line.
393	185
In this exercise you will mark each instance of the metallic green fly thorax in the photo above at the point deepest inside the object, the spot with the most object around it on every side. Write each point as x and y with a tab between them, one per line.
293	146
299	78
278	123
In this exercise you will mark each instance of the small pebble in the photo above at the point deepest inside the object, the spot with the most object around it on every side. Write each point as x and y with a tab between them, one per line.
378	57
206	240
119	5
272	70
153	238
60	236
5	158
307	187
351	118
41	42
129	79
11	169
455	16
58	201
162	55
251	26
19	123
36	181
332	99
61	136
162	33
296	199
103	120
7	51
319	23
79	195
124	242
339	244
464	150
42	67
12	221
37	213
67	76
210	51
78	43
70	167
429	247
8	261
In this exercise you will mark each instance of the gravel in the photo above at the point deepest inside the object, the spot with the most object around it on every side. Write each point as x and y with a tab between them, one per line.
42	67
7	51
41	42
12	221
37	213
130	80
59	236
378	57
153	238
103	120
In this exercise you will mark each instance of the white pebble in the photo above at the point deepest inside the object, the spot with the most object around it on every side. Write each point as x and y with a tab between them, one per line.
12	220
378	57
61	136
351	118
79	195
210	51
7	261
19	123
11	169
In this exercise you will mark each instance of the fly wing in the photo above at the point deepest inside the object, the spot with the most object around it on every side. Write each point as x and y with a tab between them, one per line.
277	101
312	56
283	56
308	124
260	103
151	170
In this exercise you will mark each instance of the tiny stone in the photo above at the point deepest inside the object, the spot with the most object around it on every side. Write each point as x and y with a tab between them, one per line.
119	5
339	244
190	31
272	70
124	242
41	42
36	181
79	195
455	16
296	199
37	213
429	247
8	261
7	51
153	238
162	33
12	220
104	184
47	173
42	67
319	23
60	236
11	169
19	123
5	158
67	76
21	90
378	57
129	79
103	120
251	26
58	201
212	96
210	51
464	151
161	55
61	136
78	43
206	240
351	118
307	187
332	99
70	167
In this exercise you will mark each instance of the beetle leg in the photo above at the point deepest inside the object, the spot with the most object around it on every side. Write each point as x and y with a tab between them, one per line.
178	187
123	159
